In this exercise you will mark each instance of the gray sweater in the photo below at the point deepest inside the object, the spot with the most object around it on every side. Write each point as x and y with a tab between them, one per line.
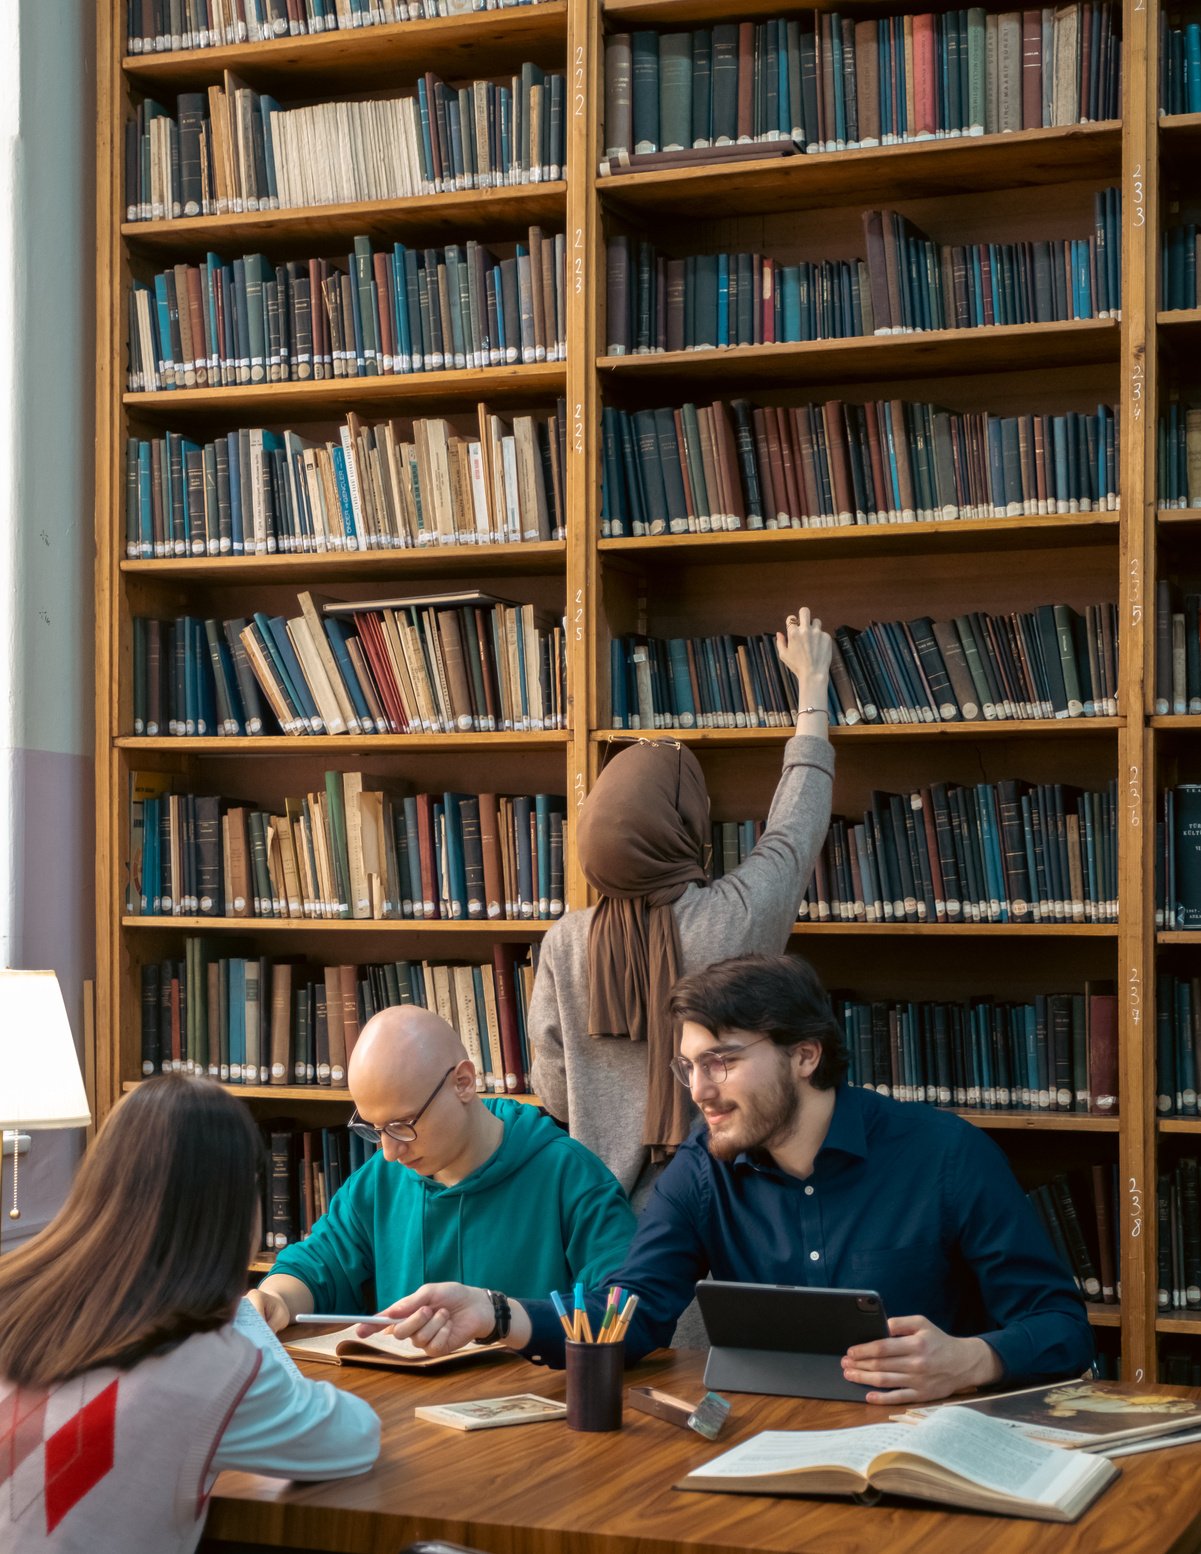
598	1085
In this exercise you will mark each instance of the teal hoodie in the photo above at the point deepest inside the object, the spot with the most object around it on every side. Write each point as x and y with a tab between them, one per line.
541	1213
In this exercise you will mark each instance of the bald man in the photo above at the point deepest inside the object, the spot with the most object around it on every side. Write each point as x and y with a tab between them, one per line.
476	1190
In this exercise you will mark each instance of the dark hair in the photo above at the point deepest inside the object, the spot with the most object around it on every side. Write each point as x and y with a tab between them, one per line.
779	996
151	1245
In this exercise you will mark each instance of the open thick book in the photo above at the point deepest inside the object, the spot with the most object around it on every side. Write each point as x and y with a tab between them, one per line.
1088	1415
954	1457
343	1348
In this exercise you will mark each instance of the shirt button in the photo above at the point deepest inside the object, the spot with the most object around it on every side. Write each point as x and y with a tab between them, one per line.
808	1192
814	1256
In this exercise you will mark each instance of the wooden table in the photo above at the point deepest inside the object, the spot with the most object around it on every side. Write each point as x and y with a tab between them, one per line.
543	1489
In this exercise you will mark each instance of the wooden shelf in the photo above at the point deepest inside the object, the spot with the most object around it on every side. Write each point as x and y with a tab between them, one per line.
998	729
323	229
1103	1316
998	348
1179	139
929	537
412	392
544	557
883	174
457	933
1179	1124
1178	516
1190	1325
1178	935
1039	1122
338	744
1182	722
326	1093
335	62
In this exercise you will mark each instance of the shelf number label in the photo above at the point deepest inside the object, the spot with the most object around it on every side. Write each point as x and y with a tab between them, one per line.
1140	210
1134	993
579	615
579	790
577	82
577	261
577	430
1136	389
1134	788
1136	1209
1136	592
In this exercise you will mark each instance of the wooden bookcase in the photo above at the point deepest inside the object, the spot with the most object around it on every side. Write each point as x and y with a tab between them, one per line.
1020	183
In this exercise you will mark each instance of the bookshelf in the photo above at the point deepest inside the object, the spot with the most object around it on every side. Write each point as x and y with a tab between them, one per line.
1017	186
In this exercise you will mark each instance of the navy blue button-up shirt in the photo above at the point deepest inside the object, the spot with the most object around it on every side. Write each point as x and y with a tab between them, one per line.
903	1199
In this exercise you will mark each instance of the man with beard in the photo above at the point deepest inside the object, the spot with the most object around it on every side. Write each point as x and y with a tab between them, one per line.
799	1178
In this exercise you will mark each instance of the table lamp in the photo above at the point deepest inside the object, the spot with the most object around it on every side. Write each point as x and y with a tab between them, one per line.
41	1086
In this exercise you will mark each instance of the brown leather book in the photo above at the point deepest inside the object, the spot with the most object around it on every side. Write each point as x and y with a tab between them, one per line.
281	1022
458	684
867	82
619	86
350	1011
494	900
840	469
319	1013
904	467
503	957
877	245
336	1034
727	458
1101	1013
676	304
430	884
746	80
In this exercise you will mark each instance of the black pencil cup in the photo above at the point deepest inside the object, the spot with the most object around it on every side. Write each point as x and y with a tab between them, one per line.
595	1379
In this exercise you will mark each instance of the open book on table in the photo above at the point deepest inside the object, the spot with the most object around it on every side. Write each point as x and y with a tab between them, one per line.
343	1348
954	1457
1085	1414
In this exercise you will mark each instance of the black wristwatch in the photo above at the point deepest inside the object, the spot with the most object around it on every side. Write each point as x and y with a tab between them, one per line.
500	1328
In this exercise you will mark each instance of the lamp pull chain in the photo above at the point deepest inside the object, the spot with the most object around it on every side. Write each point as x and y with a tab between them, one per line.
15	1212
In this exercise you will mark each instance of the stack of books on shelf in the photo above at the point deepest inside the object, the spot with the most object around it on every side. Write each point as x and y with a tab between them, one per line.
307	1167
1050	662
1081	1220
696	469
447	663
1178	858
348	851
1178	1203
1177	1045
253	1021
166	26
482	479
1177	651
1057	1052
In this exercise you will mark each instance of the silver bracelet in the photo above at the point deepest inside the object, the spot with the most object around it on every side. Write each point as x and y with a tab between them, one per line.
802	710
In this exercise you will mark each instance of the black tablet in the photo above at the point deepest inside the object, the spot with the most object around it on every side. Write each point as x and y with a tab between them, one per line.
785	1339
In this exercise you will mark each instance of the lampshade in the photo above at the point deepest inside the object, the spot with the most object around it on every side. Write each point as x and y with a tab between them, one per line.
40	1082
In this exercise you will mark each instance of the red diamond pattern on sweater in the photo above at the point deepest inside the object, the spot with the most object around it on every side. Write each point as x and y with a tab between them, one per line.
79	1454
22	1420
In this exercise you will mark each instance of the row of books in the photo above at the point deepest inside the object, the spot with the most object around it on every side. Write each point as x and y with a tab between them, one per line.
1177	651
1179	66
999	852
1177	1045
441	664
826	82
477	480
345	851
1079	1210
1057	1052
256	1021
236	149
165	26
724	466
1050	662
1178	266
1178	858
908	283
1178	1205
307	1167
1178	456
223	324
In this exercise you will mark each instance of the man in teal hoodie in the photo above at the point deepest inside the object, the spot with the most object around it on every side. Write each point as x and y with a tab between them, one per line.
483	1191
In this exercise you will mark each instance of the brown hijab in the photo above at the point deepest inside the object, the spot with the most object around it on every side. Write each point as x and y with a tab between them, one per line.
640	842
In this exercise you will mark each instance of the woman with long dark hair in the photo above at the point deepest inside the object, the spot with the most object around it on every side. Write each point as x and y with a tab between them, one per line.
125	1385
599	1022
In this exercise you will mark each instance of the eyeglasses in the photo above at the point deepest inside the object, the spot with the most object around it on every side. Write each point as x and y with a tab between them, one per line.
402	1132
614	742
715	1066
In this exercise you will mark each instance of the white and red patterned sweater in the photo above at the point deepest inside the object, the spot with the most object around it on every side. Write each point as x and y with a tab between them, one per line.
120	1462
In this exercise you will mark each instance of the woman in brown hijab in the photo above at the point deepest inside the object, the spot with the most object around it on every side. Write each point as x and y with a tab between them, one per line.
599	1021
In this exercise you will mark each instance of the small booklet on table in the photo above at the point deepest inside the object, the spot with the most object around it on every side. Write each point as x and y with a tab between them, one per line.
952	1457
343	1348
490	1413
1087	1415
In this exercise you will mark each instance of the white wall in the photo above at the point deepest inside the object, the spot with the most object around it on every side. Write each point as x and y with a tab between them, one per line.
47	279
